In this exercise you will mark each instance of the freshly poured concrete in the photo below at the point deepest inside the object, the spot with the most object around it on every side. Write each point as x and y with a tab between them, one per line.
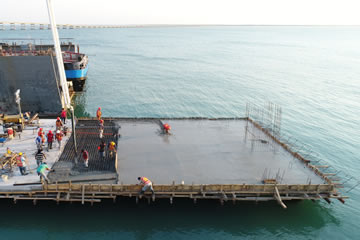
204	152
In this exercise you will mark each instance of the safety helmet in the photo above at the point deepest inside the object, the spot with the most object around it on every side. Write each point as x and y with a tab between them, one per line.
58	118
99	108
20	153
50	131
58	131
112	143
40	129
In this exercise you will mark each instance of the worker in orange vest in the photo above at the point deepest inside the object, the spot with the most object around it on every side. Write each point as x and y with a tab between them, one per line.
111	148
147	184
59	124
98	114
58	137
167	128
42	135
21	163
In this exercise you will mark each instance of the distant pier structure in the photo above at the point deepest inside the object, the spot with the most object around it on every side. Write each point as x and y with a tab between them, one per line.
46	26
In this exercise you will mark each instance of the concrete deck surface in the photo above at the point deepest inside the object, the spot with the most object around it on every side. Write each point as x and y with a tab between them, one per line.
204	152
27	145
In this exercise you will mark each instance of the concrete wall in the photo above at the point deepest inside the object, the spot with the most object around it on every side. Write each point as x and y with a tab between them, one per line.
34	76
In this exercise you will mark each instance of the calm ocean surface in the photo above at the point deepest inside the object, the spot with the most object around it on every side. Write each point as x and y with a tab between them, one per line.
313	73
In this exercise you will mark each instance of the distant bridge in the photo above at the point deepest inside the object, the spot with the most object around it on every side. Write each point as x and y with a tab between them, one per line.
47	26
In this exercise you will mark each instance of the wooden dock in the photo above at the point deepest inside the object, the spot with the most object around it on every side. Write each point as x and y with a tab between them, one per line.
94	193
102	181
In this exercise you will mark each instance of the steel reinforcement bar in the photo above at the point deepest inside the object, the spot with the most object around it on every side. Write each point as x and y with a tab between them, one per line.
314	168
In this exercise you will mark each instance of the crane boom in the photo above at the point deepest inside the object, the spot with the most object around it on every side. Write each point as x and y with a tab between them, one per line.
59	58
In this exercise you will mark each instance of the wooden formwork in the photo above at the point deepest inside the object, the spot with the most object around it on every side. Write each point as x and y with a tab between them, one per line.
68	192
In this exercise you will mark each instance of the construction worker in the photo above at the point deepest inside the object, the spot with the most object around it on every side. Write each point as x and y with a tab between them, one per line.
8	152
101	128
39	156
41	171
63	115
98	114
101	123
40	132
85	156
38	142
101	149
101	132
58	124
147	184
21	163
112	148
42	135
167	128
50	139
58	137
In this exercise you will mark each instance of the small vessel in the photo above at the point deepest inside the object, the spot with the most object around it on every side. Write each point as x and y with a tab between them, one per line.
76	68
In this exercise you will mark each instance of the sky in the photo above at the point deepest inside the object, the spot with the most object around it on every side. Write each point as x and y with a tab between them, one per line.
271	12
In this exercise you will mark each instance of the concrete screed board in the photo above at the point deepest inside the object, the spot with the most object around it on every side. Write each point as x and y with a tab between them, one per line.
204	152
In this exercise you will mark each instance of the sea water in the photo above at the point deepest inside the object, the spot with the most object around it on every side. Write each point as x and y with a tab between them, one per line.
312	72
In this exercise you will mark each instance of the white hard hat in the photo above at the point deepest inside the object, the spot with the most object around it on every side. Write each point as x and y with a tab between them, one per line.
58	131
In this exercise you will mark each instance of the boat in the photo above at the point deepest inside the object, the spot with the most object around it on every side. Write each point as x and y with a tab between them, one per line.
76	68
30	65
75	63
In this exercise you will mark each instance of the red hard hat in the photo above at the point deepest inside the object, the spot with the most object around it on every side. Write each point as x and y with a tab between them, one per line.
58	118
50	131
99	108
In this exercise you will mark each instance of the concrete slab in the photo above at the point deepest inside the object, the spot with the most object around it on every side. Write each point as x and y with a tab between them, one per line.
27	145
204	152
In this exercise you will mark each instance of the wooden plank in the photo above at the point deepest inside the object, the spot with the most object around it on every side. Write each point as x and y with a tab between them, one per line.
321	166
82	194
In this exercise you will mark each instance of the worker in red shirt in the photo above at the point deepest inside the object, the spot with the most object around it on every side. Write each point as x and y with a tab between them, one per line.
50	139
85	156
63	115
